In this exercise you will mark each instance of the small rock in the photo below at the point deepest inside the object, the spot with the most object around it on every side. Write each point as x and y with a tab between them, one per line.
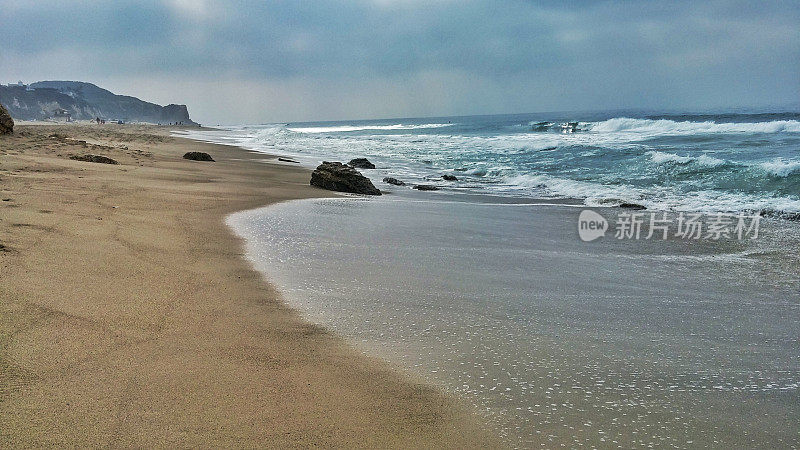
361	163
632	206
94	158
198	156
335	176
426	187
449	177
394	181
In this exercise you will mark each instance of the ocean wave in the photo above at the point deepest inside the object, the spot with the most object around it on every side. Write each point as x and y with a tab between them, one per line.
541	125
483	171
476	172
664	126
564	187
671	158
350	128
780	168
599	168
654	198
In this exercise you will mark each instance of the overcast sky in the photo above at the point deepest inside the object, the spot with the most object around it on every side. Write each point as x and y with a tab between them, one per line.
263	61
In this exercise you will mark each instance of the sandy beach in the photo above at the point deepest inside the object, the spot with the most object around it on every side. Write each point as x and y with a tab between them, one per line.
400	224
128	316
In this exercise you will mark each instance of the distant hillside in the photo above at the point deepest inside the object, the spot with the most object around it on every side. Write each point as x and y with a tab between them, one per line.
42	100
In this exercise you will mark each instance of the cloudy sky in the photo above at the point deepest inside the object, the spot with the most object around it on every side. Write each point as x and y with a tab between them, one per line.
283	60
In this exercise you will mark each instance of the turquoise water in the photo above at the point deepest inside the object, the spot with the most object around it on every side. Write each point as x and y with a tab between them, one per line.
708	162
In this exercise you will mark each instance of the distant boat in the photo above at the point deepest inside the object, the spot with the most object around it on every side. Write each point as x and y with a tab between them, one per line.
569	127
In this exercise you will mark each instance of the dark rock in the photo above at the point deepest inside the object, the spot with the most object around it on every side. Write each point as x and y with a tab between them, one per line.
94	158
6	122
449	177
335	176
288	160
791	216
632	206
394	181
198	156
426	187
361	163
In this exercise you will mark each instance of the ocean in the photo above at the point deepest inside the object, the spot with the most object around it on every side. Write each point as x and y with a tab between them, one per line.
486	289
685	162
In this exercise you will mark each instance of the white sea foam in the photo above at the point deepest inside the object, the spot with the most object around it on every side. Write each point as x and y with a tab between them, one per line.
596	194
485	170
478	171
702	160
349	128
562	187
671	127
780	167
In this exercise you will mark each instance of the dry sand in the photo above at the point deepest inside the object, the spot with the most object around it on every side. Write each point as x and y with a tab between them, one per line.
128	316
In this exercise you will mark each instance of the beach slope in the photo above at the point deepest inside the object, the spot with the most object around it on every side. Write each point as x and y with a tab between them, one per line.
128	316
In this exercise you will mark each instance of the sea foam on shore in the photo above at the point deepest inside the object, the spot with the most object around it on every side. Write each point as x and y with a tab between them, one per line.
628	343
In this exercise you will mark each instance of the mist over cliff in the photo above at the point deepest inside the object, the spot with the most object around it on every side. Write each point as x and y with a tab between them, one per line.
43	100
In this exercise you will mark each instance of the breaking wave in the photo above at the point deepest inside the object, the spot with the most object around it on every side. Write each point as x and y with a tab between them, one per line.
781	168
670	158
664	126
597	194
714	164
350	128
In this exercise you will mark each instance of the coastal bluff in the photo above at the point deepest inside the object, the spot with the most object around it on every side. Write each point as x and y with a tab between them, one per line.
77	100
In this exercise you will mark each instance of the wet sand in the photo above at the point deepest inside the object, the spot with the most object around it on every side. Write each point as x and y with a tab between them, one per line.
129	317
611	343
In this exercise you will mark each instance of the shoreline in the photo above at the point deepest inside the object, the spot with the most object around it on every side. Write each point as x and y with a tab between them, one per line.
541	331
130	320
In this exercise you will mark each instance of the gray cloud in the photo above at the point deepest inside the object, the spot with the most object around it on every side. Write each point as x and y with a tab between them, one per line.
327	59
